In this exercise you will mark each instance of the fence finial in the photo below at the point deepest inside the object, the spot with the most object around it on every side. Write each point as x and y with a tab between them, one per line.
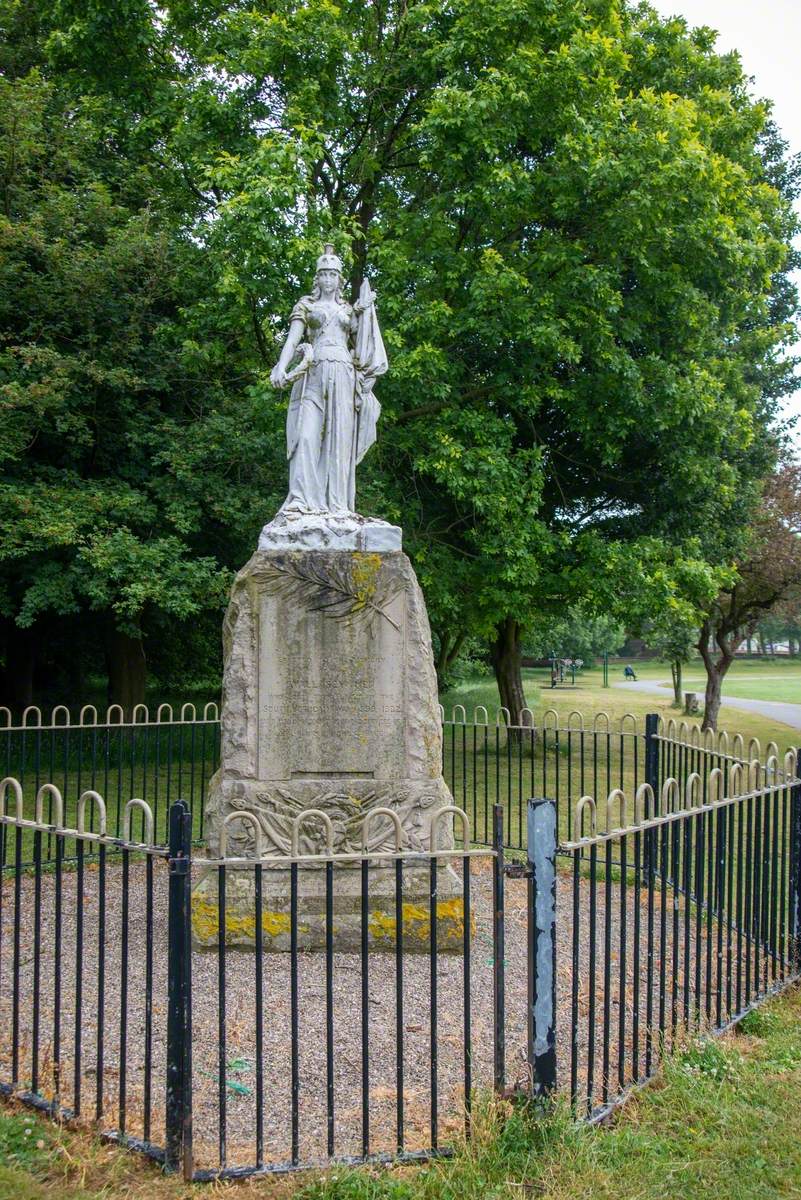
616	796
99	802
586	802
49	789
670	797
16	788
692	790
382	812
644	803
716	784
754	774
451	810
327	825
146	810
250	818
735	779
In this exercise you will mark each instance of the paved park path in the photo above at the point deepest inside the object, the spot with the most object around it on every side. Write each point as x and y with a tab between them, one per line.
774	710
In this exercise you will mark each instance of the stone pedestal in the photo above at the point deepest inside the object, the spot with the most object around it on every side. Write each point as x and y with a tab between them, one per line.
329	702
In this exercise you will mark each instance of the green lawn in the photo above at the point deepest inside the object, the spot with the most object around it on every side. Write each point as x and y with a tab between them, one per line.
589	696
722	1122
747	679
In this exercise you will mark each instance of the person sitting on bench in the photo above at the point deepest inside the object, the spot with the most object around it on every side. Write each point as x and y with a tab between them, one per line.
628	673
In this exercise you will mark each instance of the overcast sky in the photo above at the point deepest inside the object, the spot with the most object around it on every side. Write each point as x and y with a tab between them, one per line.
767	34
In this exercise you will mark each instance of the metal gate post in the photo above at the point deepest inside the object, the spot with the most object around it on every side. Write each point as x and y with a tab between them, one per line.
178	1120
499	950
795	873
652	756
541	848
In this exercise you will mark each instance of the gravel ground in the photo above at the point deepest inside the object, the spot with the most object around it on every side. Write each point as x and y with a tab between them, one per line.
129	1023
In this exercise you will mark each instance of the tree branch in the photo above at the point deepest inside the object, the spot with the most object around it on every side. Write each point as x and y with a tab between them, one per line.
261	341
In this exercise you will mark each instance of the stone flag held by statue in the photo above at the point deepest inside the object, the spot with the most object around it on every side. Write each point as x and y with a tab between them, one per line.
370	359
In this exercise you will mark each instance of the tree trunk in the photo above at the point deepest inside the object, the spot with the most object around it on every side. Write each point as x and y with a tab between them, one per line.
442	656
715	670
712	698
21	646
506	659
364	217
127	670
676	672
449	647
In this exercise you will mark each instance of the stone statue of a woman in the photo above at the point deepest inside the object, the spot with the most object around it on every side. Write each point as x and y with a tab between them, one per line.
331	421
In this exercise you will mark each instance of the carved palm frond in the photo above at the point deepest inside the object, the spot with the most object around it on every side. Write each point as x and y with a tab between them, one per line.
332	589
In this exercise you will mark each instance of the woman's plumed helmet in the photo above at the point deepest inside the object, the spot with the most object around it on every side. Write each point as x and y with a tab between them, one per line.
328	261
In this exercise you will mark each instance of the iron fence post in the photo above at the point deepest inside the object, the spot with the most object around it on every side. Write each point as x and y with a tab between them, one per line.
498	949
541	831
795	874
178	1120
652	754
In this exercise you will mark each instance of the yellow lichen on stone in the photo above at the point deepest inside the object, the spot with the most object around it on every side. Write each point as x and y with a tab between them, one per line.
364	574
238	926
205	919
276	923
416	920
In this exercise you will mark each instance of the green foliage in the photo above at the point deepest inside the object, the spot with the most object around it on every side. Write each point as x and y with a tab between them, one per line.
470	660
707	1058
673	636
130	474
578	225
506	1146
578	634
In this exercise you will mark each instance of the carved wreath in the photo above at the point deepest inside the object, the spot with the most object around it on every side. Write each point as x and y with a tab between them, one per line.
342	593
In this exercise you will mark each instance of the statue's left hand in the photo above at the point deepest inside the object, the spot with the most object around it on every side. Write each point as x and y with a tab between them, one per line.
278	377
364	302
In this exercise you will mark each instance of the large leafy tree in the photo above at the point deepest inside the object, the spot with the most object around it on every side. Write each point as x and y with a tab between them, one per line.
571	220
575	223
111	416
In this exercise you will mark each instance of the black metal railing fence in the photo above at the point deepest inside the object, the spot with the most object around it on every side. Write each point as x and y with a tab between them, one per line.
157	757
170	753
683	913
198	1031
504	762
83	964
260	1012
374	984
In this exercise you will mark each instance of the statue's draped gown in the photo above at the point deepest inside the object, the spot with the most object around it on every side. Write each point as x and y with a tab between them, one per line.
332	411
